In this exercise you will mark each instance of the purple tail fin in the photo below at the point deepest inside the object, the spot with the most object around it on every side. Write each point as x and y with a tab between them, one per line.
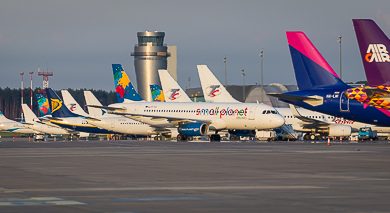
311	69
374	49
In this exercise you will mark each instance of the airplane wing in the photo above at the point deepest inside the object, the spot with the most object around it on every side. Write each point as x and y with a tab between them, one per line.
152	120
307	122
173	120
107	108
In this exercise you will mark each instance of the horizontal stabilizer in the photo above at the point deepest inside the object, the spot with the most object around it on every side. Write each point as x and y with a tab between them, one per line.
108	108
311	100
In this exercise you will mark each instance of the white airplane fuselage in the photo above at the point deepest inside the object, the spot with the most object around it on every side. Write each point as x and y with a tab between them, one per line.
297	123
16	127
243	116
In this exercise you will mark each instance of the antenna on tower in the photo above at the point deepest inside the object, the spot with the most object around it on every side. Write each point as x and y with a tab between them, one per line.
45	76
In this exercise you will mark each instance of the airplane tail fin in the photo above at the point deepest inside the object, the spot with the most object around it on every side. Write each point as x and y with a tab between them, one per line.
90	99
29	115
157	93
172	90
43	103
311	69
213	90
374	49
72	104
58	109
124	89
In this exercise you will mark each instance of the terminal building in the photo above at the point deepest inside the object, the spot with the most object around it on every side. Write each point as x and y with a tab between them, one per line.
249	93
150	55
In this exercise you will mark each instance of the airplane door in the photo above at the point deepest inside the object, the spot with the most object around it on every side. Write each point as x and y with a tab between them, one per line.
344	103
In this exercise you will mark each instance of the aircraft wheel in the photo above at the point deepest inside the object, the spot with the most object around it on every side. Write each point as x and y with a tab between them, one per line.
306	137
181	137
215	138
313	137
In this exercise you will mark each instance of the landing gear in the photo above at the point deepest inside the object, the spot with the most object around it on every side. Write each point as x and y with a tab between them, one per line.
181	137
215	138
234	138
310	136
313	137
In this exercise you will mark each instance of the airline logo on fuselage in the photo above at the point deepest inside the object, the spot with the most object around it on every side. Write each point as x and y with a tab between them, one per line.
223	112
377	53
213	90
174	94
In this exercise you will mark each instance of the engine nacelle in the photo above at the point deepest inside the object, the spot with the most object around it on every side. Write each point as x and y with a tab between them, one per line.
193	129
339	130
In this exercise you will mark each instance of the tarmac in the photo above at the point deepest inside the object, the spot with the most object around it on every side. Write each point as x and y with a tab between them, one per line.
145	176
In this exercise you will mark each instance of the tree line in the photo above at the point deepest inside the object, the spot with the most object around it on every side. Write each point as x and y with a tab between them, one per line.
10	99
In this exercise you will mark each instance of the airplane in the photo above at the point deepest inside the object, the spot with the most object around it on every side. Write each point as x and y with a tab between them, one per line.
321	89
301	120
194	119
63	117
33	122
117	123
8	125
72	104
373	44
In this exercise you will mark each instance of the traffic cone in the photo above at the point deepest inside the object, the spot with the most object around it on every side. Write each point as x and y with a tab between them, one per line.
328	144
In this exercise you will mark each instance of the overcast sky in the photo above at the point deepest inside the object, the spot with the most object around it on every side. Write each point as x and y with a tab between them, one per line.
79	40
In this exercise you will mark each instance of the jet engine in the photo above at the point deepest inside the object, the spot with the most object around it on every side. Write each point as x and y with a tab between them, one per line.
193	129
338	130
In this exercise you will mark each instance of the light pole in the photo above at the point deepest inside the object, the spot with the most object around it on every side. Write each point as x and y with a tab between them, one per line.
224	61
31	90
261	74
243	85
341	70
21	91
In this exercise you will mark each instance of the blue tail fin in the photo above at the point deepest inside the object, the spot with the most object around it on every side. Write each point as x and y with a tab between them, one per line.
58	109
43	103
311	69
124	89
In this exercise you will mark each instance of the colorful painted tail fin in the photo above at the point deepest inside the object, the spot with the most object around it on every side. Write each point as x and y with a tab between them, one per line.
311	69
43	103
213	90
29	115
157	93
374	49
72	104
58	109
124	89
172	90
90	99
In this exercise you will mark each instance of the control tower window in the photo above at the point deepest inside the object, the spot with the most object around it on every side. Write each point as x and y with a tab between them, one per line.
154	40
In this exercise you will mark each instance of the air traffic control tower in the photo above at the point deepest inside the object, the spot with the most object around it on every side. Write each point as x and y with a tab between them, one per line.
150	55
